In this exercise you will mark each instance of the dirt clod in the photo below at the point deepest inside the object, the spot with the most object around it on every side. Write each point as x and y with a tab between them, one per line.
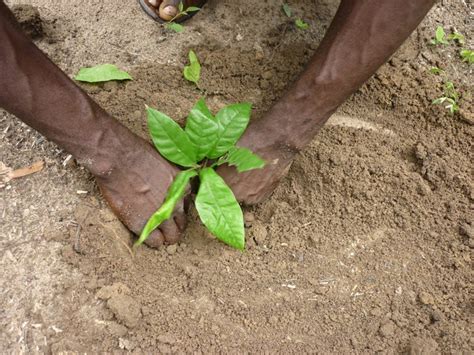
426	298
423	346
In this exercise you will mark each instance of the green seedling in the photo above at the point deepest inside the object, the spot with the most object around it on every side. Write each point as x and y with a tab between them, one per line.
301	24
207	142
192	72
450	98
440	37
174	26
457	37
467	55
101	73
436	71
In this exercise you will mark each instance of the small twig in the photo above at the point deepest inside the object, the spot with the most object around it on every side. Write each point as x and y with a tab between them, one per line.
77	241
118	238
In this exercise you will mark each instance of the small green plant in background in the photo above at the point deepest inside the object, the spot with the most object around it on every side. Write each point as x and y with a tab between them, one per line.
467	56
299	23
173	25
456	37
450	98
102	73
207	142
440	37
192	72
436	71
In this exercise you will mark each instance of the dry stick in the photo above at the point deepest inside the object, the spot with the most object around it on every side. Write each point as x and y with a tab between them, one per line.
118	238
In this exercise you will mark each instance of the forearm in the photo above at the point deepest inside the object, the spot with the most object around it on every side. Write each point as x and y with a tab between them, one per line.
41	95
362	36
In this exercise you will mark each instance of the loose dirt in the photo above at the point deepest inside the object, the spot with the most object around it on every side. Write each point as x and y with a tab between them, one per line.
364	247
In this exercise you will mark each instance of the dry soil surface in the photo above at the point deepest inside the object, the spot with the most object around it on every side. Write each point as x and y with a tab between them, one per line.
365	246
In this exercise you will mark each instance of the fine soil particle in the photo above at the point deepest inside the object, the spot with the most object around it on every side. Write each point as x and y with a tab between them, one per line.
364	247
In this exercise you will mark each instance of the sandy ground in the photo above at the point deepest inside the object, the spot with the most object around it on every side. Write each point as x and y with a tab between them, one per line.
365	246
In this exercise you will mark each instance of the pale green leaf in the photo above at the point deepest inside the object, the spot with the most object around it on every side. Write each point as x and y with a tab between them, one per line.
193	9
192	72
301	24
170	139
174	195
219	210
244	159
202	129
101	73
175	27
286	9
232	121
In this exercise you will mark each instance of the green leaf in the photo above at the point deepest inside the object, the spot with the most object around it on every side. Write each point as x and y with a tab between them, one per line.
467	55
175	27
436	70
202	129
232	121
174	195
456	36
193	9
440	36
219	210
301	24
192	72
101	73
180	6
170	139
286	9
244	160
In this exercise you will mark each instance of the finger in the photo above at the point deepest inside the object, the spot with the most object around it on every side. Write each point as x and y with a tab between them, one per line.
155	240
170	231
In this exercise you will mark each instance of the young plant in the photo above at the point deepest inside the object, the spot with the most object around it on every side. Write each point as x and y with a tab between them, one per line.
172	25
467	55
440	37
299	23
192	72
457	37
206	142
450	98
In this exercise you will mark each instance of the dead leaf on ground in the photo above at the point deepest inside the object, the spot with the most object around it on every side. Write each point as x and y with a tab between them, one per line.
7	173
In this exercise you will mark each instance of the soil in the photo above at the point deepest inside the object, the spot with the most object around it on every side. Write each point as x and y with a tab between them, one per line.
365	246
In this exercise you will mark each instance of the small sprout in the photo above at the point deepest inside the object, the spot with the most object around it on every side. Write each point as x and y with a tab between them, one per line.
192	72
301	24
102	73
450	98
440	37
436	71
205	137
467	55
456	36
286	9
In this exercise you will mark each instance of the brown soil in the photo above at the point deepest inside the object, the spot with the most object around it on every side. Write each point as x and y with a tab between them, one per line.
365	246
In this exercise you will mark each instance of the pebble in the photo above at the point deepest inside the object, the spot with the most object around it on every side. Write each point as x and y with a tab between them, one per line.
137	115
259	233
436	316
249	218
171	249
388	329
426	298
